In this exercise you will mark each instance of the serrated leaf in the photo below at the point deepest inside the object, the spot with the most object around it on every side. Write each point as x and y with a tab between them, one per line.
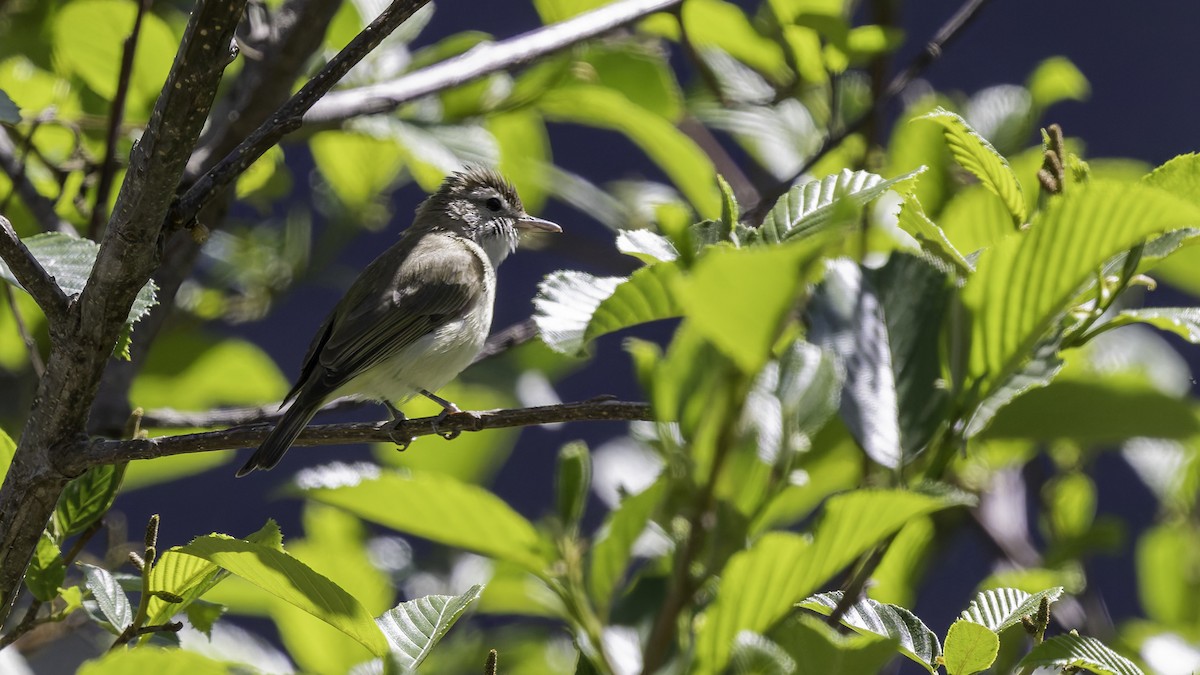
645	245
413	628
760	585
810	207
1024	285
86	499
975	154
70	260
440	509
613	543
572	308
999	608
867	616
202	615
1182	321
109	597
677	155
969	649
1081	652
9	112
293	582
933	239
188	577
46	571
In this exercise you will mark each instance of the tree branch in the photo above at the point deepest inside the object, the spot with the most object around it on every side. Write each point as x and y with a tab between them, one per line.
932	52
33	277
482	60
289	117
111	452
38	204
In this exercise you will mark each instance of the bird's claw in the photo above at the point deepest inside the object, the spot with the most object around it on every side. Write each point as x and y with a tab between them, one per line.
398	436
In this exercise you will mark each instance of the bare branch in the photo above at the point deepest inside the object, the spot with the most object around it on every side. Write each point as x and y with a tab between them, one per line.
32	275
289	117
513	336
111	452
115	114
932	52
38	204
482	60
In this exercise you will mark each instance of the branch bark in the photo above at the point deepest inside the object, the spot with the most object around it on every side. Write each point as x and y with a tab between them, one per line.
110	452
33	277
484	59
46	457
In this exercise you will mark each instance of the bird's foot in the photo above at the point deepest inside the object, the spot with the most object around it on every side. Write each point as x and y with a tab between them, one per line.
397	433
447	409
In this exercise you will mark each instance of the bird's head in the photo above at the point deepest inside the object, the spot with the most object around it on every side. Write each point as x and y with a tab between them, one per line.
478	203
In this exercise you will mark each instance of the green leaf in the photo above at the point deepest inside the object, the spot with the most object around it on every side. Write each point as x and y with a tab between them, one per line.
553	11
885	330
109	597
740	298
358	167
754	654
70	260
524	153
760	585
8	449
414	627
293	582
811	207
1180	176
644	77
869	617
573	308
188	577
1167	555
1023	286
613	542
933	239
1056	79
46	571
822	650
1081	652
999	608
440	509
715	23
202	615
9	112
88	41
975	154
915	145
573	482
676	154
1182	321
973	219
970	648
154	660
192	370
86	499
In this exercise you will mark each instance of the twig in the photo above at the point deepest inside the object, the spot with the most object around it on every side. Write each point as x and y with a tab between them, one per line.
27	623
35	356
289	117
111	452
482	60
932	51
38	204
513	336
117	113
33	277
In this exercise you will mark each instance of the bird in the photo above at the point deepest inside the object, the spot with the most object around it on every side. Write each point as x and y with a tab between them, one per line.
418	314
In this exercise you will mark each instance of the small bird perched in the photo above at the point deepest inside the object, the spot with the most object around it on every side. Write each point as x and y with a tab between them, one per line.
416	316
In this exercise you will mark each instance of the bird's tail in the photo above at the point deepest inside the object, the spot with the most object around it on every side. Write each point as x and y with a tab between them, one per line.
282	436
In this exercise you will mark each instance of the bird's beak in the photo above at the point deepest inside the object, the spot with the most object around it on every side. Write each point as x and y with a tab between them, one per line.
528	222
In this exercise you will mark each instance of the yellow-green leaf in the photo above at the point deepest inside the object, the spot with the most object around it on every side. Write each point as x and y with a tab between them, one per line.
975	154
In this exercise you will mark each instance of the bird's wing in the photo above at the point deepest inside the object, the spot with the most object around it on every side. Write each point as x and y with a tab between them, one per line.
409	291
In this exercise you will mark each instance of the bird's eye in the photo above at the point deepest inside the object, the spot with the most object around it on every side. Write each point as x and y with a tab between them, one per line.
494	204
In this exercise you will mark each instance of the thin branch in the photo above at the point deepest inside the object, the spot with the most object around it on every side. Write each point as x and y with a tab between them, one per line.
484	59
38	204
290	116
27	623
115	114
35	356
932	52
33	277
513	336
111	452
